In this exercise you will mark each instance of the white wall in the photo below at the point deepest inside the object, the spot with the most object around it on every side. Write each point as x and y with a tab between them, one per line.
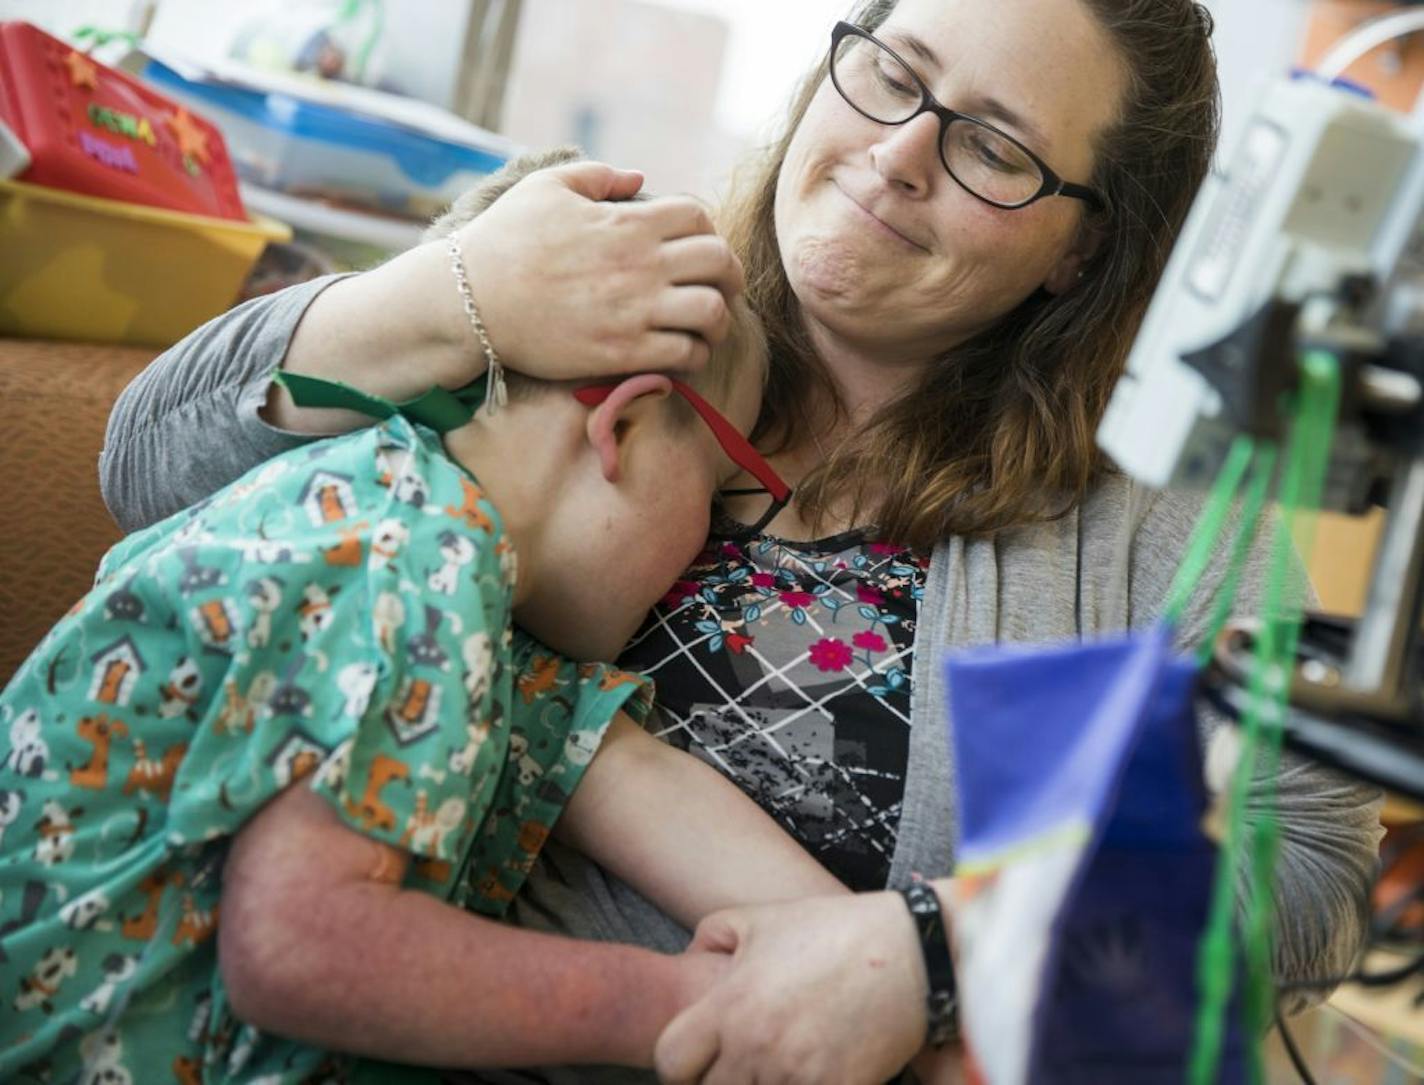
62	17
771	42
774	41
422	39
1255	40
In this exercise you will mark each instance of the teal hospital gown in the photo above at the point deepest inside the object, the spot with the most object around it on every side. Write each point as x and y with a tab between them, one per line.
339	617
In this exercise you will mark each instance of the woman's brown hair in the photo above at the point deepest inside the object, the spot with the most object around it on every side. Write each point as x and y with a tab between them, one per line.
1002	431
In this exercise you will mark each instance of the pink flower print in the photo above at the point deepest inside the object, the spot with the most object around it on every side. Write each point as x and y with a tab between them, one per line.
800	599
830	654
731	550
763	580
866	594
870	641
737	643
885	548
680	591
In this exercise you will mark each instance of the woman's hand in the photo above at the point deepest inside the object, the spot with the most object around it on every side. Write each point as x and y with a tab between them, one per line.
570	278
574	280
828	990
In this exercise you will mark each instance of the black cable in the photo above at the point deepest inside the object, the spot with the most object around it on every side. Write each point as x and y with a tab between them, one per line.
1294	1052
1385	978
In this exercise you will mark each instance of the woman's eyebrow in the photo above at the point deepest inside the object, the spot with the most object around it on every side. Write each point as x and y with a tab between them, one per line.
990	108
915	45
986	107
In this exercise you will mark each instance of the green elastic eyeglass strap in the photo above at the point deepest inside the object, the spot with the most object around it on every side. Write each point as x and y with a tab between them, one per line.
1207	530
1262	472
439	409
1269	688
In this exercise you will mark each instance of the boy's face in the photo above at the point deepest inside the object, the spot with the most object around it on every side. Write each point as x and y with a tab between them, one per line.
621	547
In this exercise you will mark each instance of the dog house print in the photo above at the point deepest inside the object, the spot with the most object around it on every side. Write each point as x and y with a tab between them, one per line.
416	710
298	755
327	497
215	622
116	669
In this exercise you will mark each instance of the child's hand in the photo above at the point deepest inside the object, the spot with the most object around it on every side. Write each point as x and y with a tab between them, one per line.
701	970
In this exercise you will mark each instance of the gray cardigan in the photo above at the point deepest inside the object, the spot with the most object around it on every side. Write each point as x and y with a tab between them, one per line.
189	424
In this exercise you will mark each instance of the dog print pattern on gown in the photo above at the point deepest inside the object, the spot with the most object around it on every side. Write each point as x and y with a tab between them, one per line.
339	619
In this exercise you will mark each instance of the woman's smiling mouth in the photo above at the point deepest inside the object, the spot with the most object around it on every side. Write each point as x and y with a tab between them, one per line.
871	217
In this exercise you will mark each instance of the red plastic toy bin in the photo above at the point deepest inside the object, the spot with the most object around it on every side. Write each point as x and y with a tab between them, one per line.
96	131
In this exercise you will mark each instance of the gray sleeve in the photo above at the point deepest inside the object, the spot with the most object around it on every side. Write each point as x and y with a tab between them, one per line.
1330	829
188	424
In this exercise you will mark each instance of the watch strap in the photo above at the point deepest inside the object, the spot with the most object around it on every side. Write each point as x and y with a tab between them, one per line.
941	1001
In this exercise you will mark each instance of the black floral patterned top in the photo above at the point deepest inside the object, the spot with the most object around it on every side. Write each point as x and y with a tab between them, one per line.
787	666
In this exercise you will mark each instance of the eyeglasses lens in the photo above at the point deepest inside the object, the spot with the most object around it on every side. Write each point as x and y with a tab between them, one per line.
874	82
741	514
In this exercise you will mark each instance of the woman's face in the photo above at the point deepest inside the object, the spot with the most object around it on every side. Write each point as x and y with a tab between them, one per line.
884	250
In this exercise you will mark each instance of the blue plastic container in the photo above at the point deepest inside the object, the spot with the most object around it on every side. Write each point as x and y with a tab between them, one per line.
309	148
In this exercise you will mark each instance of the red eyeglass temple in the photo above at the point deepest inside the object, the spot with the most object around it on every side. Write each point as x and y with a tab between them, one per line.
733	443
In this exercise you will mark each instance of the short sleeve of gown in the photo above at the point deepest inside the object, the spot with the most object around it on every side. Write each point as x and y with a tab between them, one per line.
559	714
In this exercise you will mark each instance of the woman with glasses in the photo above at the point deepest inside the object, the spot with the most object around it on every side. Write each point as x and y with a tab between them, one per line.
951	247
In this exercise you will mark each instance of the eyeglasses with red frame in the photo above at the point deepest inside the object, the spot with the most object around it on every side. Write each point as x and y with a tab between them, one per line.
738	449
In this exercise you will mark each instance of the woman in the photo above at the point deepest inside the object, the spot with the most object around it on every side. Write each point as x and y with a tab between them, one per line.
950	298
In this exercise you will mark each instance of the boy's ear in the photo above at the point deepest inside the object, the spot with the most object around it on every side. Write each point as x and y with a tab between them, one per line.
608	422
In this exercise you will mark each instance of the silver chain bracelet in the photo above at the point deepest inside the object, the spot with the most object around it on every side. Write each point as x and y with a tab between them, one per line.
498	394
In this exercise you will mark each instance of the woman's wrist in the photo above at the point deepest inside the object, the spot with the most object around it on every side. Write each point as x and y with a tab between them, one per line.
932	932
417	300
395	331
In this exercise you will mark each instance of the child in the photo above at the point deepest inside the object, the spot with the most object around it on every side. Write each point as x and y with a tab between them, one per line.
258	777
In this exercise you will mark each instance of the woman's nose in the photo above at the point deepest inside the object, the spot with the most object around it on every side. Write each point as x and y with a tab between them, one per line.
907	155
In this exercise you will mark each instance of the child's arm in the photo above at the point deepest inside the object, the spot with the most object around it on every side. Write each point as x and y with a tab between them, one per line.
319	942
680	833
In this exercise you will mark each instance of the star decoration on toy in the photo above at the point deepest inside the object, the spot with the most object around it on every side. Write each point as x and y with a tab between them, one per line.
192	140
82	70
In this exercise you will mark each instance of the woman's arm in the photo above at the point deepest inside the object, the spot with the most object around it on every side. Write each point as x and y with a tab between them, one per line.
680	833
190	423
318	942
567	285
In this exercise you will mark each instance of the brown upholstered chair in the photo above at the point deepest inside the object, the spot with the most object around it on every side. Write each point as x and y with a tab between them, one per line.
54	403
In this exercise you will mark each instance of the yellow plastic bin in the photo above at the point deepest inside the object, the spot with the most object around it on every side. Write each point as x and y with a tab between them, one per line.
78	267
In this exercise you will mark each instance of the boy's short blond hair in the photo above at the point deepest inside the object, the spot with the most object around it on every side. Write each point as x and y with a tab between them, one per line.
744	346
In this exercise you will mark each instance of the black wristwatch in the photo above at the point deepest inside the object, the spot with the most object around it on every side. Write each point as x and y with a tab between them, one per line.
942	1000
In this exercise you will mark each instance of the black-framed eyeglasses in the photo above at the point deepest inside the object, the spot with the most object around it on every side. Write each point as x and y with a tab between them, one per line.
748	513
987	163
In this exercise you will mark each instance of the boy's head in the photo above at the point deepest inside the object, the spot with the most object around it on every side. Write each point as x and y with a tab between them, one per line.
632	510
